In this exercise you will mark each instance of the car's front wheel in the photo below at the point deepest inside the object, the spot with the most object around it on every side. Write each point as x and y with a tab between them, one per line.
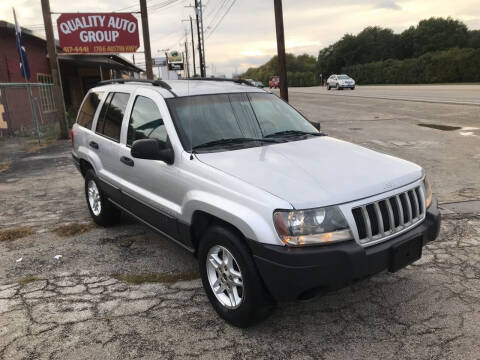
103	212
231	279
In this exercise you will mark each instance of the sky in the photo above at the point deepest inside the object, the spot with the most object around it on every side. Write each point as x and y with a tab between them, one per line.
241	33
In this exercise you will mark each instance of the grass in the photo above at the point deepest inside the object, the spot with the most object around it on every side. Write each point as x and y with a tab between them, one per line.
73	229
138	279
14	234
29	279
441	127
4	167
48	137
32	146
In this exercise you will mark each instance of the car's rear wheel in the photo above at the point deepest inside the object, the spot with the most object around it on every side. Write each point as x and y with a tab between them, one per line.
231	279
103	212
328	87
337	86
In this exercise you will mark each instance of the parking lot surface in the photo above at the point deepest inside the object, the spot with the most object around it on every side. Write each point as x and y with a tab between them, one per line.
448	94
83	292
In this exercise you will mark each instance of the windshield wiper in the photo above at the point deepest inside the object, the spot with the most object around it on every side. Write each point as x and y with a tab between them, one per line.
232	141
293	133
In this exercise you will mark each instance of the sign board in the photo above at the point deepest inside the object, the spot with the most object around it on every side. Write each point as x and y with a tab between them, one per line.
93	33
160	61
175	61
174	57
176	66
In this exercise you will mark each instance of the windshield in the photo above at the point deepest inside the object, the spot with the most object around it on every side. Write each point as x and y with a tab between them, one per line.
209	118
343	77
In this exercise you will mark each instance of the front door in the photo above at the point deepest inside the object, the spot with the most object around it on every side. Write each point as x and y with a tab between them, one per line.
151	188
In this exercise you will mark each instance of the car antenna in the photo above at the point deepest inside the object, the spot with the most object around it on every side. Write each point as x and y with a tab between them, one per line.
190	120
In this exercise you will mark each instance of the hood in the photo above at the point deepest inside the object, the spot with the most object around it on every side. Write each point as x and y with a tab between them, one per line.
319	171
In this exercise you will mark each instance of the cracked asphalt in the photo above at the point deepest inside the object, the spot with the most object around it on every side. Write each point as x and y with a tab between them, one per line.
73	307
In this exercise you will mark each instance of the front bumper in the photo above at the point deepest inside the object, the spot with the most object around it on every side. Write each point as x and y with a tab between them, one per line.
295	273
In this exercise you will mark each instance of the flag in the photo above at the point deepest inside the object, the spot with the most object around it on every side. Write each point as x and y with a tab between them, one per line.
22	54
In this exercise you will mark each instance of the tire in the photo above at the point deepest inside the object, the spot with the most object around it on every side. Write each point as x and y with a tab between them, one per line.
105	213
328	87
353	88
337	87
251	302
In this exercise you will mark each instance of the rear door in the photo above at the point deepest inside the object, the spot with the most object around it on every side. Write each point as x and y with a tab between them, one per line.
83	127
106	142
151	189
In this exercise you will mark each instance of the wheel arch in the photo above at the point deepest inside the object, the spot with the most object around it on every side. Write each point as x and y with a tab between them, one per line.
202	221
205	209
85	165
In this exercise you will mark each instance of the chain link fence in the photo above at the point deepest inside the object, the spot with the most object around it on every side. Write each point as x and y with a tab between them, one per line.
26	107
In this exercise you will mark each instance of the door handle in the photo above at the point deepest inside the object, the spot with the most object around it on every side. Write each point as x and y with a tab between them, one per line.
93	144
127	161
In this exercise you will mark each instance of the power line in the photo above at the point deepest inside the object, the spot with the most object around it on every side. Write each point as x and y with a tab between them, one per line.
221	19
213	14
150	7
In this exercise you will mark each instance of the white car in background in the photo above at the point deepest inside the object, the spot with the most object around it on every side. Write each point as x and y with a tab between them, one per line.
340	82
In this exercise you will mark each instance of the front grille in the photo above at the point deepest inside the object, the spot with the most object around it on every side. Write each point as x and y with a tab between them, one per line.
385	217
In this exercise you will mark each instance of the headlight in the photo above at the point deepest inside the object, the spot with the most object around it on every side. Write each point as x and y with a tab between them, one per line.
311	227
428	192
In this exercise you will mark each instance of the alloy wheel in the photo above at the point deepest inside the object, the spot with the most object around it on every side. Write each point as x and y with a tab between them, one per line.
225	277
94	198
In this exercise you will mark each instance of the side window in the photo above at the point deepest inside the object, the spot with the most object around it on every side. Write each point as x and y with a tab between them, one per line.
145	122
87	111
111	116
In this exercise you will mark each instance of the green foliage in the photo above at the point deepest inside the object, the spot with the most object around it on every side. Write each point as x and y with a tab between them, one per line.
302	71
474	39
436	50
453	65
375	44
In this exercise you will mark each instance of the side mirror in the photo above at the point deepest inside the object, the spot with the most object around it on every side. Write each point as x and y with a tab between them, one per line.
152	149
316	125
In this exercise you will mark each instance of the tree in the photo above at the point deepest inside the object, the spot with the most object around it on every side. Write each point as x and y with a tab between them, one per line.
437	34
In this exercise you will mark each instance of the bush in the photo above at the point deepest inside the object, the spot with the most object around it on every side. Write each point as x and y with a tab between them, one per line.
453	65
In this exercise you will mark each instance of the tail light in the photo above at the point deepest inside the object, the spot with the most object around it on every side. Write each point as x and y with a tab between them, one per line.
71	136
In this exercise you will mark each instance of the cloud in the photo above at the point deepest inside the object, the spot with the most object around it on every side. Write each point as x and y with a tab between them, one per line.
388	4
246	36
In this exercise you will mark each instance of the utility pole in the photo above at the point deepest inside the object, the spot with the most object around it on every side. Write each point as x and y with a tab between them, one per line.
200	9
282	63
168	70
146	39
193	48
52	58
201	51
193	45
186	64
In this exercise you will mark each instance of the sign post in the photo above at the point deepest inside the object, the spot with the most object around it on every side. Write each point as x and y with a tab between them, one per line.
146	39
52	58
282	62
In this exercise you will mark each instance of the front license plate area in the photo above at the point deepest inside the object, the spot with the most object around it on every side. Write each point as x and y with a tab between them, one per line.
405	253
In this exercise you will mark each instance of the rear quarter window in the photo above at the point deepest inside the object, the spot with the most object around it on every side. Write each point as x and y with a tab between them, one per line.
111	116
87	111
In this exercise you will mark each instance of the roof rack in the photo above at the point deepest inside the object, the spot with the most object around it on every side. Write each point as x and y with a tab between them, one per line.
159	83
237	81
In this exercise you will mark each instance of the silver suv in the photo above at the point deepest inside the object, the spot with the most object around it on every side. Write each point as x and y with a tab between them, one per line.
273	209
340	82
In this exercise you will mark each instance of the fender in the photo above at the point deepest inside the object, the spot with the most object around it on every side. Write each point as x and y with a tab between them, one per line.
251	223
92	157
